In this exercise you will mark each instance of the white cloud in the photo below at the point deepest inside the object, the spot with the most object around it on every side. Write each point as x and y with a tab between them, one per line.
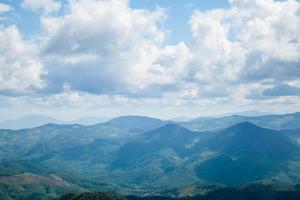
102	52
107	47
5	8
215	54
253	41
20	68
47	6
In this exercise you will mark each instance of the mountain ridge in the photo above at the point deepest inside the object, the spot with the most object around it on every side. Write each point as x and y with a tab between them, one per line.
153	154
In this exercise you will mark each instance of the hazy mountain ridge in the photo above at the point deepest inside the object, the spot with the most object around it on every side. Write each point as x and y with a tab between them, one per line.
32	121
279	121
153	155
284	121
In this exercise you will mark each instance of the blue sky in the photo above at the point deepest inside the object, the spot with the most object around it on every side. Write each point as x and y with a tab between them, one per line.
160	58
178	15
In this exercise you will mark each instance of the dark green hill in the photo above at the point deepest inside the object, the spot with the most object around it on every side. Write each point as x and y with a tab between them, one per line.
253	192
92	196
247	153
170	136
247	139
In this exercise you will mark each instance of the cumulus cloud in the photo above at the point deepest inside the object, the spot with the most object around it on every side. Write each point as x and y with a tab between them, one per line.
106	47
47	6
253	41
247	53
20	67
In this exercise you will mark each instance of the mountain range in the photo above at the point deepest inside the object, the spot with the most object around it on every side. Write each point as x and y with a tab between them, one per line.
284	121
280	121
32	121
142	155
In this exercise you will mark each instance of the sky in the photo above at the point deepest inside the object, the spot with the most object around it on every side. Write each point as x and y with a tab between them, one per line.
162	58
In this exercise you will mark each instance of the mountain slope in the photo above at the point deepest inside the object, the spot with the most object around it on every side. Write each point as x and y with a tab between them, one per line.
252	192
169	136
34	187
247	153
53	137
246	139
149	158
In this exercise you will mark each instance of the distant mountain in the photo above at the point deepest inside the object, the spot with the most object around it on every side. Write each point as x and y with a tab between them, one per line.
136	122
284	121
139	155
88	121
32	121
142	123
53	137
29	121
249	113
49	137
181	119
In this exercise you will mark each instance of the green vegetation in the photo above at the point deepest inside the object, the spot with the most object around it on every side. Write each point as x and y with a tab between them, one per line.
92	196
151	157
254	192
33	187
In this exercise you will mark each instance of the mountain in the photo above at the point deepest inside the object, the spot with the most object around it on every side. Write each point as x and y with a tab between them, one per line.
32	121
283	121
247	153
51	137
88	121
249	113
168	137
155	159
247	139
136	122
55	137
152	155
34	187
29	121
142	123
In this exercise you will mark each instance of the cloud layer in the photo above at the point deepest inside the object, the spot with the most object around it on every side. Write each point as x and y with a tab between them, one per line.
104	48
